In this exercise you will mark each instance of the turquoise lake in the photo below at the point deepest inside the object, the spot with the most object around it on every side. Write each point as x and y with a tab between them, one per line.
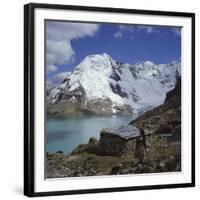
65	134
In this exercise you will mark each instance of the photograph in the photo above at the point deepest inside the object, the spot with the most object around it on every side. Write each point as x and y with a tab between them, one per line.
108	99
112	99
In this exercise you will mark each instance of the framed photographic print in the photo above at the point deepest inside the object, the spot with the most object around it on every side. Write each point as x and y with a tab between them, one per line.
108	99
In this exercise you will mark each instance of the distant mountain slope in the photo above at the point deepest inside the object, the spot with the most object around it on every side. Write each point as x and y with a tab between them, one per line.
101	84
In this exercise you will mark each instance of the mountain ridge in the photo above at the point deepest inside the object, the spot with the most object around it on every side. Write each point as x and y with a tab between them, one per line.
100	78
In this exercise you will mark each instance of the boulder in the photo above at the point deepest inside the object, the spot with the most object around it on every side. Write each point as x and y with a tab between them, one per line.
90	147
93	140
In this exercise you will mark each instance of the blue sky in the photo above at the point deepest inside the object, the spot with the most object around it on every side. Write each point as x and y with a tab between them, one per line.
68	43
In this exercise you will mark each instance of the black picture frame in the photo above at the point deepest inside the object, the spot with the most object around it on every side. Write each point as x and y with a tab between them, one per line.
29	93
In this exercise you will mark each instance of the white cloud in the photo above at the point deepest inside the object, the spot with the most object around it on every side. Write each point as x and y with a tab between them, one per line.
51	68
118	34
131	29
58	31
176	31
122	29
148	29
58	41
59	52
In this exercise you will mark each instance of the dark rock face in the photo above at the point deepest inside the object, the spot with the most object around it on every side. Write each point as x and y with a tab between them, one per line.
115	146
135	98
93	140
176	91
117	90
133	72
115	76
66	80
124	109
164	129
78	94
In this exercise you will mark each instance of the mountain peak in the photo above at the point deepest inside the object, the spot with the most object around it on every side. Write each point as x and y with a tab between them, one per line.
149	63
98	56
96	62
101	77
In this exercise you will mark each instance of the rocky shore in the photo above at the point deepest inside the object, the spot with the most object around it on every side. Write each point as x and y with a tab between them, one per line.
163	125
85	160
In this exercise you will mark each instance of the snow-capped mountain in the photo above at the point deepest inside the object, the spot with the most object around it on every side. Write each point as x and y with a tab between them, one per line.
99	78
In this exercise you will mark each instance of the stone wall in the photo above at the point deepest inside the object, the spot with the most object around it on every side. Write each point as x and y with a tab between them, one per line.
115	146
